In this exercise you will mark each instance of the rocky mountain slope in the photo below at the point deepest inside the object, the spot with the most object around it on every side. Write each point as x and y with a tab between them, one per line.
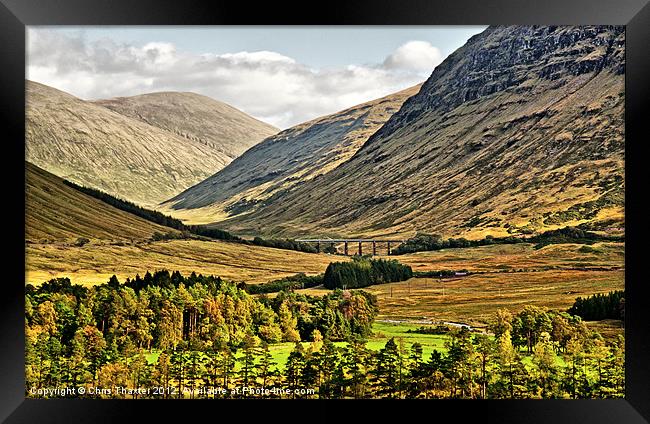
94	146
286	160
199	118
519	130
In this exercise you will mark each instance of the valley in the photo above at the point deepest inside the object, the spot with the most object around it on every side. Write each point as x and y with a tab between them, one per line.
183	255
284	161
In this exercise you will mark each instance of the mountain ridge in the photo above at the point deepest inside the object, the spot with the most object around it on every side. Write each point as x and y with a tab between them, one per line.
195	116
518	131
95	146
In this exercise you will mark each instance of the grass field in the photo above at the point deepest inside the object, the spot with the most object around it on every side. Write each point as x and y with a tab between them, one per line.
474	299
382	333
510	276
97	261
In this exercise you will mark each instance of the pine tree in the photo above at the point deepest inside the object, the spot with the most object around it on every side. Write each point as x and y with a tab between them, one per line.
386	372
459	367
140	373
178	370
311	374
226	364
77	362
328	364
356	360
163	373
293	372
247	360
416	372
265	367
486	350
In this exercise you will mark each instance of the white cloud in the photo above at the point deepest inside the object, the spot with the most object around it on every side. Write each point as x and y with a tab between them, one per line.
415	56
268	85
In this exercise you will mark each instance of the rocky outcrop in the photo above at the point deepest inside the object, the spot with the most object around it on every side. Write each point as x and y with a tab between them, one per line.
507	57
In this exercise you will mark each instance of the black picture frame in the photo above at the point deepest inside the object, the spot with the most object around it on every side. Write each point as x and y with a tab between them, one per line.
16	14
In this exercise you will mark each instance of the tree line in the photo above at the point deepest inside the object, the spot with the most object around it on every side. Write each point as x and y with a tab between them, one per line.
600	306
187	230
290	283
364	271
533	354
444	273
427	242
361	272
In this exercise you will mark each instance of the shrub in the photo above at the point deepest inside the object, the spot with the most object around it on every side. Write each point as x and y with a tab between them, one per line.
81	241
169	235
438	329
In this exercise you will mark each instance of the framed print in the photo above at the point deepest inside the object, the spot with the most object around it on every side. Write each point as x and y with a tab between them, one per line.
422	202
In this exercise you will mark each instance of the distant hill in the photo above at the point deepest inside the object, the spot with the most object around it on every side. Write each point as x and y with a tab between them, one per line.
91	145
199	118
518	131
285	160
56	212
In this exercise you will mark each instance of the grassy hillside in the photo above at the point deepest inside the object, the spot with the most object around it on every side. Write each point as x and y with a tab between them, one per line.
55	212
284	161
94	146
520	130
195	117
516	257
120	243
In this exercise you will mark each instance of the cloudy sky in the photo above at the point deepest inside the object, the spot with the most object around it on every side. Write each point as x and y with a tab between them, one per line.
281	75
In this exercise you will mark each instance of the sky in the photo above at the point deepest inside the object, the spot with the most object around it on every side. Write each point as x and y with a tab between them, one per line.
280	75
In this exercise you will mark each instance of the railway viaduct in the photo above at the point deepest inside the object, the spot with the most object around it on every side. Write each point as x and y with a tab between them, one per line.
374	242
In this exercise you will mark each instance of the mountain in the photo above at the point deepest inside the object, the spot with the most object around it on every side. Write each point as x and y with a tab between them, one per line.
94	146
199	118
518	131
285	160
56	212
